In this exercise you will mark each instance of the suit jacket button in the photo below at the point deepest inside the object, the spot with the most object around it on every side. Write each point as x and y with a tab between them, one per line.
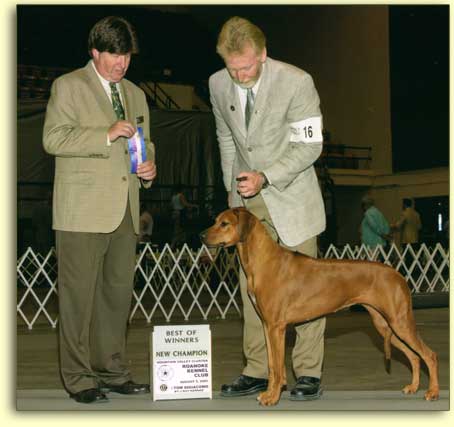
126	151
249	149
123	178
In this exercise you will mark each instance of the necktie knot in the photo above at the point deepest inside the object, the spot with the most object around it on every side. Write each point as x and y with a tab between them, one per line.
116	102
249	106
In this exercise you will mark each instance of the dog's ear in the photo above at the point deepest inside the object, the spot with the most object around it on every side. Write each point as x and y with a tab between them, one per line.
245	222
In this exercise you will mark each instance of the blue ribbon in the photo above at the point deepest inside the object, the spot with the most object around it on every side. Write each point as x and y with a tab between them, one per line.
136	148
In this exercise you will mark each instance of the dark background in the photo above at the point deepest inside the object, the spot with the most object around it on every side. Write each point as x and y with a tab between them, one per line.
183	39
419	60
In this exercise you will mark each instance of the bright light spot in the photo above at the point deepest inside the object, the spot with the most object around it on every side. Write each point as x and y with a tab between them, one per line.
440	222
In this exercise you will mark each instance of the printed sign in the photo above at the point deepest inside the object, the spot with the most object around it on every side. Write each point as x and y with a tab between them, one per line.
181	367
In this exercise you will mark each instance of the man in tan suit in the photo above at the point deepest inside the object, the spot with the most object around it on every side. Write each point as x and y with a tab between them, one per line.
409	224
269	129
90	116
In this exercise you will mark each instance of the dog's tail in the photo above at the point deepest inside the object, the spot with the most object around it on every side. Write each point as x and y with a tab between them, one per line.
387	345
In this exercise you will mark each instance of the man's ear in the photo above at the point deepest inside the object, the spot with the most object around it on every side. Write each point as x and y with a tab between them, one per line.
245	223
263	55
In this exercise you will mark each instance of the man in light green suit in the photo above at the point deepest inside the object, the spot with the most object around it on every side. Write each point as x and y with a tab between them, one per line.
269	129
91	114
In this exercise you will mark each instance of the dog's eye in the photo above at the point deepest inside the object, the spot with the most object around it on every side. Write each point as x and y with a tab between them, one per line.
224	224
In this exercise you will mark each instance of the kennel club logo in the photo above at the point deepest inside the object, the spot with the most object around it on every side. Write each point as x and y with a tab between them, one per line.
181	362
165	373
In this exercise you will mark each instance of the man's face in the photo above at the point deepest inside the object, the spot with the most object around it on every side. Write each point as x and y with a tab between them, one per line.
111	66
245	67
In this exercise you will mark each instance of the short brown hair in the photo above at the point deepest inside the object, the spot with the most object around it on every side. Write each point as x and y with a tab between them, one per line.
114	35
236	34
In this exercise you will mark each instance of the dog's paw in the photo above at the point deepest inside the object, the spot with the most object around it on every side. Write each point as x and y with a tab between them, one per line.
267	398
410	389
432	394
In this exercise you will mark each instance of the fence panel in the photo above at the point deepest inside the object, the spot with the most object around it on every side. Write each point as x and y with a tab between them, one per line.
187	283
425	269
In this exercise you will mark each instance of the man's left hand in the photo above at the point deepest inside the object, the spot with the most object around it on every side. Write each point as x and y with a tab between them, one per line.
249	183
146	170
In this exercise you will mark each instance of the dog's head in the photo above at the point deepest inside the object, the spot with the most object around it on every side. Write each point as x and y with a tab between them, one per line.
231	227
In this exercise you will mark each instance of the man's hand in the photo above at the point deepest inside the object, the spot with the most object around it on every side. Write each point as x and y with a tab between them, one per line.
121	128
249	183
146	170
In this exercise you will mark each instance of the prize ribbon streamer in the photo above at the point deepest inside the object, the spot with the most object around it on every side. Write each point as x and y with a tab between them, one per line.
136	147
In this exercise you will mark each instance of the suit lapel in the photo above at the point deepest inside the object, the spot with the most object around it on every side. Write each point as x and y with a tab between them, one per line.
233	107
127	101
261	99
100	94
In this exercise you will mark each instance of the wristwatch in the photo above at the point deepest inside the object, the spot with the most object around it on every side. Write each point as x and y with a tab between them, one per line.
266	183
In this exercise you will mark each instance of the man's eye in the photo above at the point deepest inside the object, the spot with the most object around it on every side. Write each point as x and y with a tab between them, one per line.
224	224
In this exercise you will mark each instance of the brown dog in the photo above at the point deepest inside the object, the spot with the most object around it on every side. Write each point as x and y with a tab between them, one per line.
287	287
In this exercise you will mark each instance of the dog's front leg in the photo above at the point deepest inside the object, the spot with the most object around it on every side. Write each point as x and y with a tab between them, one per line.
275	344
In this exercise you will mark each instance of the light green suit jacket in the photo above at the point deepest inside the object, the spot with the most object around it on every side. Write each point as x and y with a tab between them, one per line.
286	95
92	180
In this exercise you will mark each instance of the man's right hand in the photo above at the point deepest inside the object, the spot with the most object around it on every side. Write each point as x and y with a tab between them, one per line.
121	128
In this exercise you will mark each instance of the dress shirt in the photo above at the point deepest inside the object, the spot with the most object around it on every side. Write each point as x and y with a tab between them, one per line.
242	93
106	85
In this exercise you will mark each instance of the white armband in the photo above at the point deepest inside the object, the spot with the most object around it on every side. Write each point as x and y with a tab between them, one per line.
307	131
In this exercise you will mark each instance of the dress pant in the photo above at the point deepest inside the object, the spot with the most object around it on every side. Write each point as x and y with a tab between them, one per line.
307	354
95	283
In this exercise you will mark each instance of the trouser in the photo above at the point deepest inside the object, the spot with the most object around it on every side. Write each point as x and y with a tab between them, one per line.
95	283
307	354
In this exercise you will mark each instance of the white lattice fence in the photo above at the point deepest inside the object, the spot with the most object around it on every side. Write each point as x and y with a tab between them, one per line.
425	269
192	284
168	283
36	285
185	282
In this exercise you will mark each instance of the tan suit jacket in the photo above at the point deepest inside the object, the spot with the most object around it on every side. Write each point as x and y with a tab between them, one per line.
286	95
92	180
410	225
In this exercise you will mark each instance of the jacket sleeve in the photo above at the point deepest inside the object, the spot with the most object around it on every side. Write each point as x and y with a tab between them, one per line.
225	139
303	150
63	134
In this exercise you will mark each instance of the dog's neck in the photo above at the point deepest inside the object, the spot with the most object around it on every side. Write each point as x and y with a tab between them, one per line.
257	241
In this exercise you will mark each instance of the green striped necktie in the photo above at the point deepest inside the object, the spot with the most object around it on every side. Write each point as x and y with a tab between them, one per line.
118	108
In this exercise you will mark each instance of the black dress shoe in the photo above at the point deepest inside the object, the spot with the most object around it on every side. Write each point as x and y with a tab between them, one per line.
129	387
91	395
243	386
306	388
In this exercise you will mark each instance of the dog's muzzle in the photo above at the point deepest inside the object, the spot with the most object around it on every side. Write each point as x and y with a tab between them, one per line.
203	236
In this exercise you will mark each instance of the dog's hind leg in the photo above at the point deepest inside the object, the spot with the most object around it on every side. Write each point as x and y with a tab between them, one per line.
275	344
383	328
404	327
